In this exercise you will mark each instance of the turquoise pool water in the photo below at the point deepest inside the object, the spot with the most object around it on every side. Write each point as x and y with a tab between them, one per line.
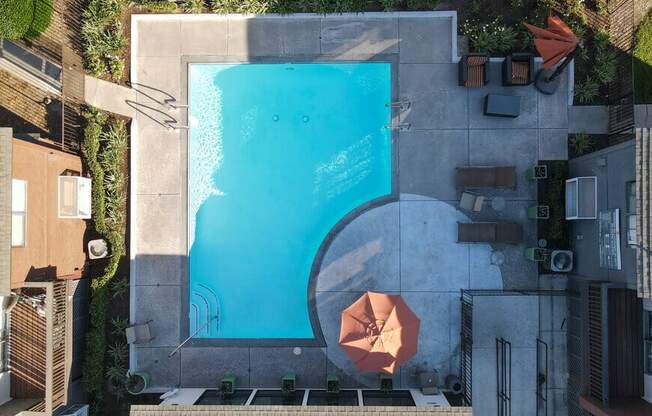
277	155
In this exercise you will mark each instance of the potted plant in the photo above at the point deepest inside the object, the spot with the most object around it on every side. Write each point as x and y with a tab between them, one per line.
386	383
227	385
288	383
539	212
537	172
332	384
535	254
137	383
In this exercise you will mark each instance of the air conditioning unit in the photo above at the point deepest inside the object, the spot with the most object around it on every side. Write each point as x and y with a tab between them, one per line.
74	410
74	197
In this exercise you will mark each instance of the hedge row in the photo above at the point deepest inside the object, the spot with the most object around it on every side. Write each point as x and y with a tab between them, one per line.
104	148
24	18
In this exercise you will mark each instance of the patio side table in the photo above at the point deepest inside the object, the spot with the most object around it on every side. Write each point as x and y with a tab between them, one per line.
499	105
498	203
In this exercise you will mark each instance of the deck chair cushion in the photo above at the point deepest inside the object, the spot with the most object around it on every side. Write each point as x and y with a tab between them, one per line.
476	71
520	72
479	232
509	233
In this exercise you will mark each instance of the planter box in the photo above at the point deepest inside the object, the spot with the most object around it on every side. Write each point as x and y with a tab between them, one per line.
137	383
227	385
537	172
386	383
332	384
535	254
288	383
539	212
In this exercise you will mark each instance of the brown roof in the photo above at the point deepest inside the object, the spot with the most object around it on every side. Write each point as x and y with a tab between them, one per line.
149	410
54	246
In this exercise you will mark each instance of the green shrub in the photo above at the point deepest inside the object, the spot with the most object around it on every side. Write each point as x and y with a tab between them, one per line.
193	6
391	5
104	148
422	4
41	18
103	38
240	6
493	37
602	6
119	325
24	18
580	143
601	39
643	62
158	5
587	90
605	65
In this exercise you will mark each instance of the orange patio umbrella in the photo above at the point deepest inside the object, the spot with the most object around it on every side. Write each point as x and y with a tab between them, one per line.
379	332
554	43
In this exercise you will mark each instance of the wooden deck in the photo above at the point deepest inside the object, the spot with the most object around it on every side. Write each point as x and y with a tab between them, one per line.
54	246
625	344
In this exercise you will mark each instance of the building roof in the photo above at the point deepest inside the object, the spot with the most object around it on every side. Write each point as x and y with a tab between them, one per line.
5	210
643	222
54	246
150	410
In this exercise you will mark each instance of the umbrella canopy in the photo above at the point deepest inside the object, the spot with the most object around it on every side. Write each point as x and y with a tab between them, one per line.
379	332
555	42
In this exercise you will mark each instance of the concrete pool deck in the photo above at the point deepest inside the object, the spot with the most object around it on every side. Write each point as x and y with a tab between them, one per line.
406	246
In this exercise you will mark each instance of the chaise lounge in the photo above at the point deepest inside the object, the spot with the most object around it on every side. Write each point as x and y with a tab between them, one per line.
489	232
485	177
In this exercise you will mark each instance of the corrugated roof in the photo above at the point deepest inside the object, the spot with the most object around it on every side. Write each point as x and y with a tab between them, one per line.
141	410
643	220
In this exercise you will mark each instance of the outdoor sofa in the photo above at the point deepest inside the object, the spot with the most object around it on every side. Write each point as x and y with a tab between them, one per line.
518	69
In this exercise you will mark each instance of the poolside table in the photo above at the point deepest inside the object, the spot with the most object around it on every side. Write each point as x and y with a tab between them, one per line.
499	105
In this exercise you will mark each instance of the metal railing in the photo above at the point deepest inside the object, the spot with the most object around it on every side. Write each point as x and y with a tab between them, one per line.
504	377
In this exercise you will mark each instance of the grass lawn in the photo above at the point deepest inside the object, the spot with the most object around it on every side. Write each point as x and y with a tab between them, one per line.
643	63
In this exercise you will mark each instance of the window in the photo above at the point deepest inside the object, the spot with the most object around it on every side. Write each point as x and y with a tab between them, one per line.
630	213
18	210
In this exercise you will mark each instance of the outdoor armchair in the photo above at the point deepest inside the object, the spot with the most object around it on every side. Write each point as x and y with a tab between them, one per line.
518	69
474	70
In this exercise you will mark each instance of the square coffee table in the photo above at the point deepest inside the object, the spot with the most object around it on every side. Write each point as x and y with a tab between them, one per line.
498	105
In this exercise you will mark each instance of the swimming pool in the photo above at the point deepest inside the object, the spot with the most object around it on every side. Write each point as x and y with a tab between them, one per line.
277	155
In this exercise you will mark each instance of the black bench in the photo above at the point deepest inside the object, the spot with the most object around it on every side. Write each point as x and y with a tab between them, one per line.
498	105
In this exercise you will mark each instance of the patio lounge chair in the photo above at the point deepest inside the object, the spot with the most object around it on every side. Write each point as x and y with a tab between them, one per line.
518	69
485	177
474	70
489	232
139	333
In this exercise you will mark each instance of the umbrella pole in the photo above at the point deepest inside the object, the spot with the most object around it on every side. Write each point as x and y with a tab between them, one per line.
547	80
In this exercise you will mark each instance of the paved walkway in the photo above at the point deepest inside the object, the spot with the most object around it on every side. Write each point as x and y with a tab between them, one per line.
591	119
109	96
